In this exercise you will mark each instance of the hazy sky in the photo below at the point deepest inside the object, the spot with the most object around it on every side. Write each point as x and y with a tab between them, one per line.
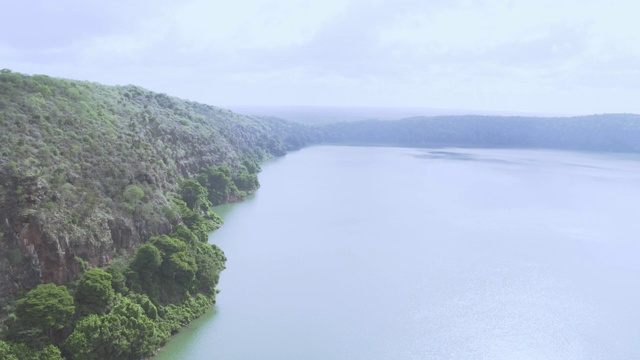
572	57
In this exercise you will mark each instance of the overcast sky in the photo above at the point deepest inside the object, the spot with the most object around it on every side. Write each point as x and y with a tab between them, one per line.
560	57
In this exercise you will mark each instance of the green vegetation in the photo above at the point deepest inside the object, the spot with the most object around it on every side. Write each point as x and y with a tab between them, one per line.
9	351
224	185
94	292
98	166
109	190
42	315
125	312
127	332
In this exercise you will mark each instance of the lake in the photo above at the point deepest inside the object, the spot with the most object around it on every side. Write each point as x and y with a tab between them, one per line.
398	253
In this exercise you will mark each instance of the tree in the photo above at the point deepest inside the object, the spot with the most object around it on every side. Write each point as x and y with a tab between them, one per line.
182	268
10	351
94	292
218	182
201	225
118	280
194	194
148	259
252	166
6	352
40	313
133	194
143	300
50	352
210	262
177	263
183	233
125	333
246	181
168	245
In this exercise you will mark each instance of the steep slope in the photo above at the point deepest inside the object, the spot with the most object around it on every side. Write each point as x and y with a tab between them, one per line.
75	155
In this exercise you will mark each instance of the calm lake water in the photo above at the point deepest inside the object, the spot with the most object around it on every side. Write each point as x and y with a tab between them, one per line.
393	253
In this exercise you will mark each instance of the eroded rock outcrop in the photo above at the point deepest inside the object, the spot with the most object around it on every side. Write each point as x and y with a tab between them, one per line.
43	244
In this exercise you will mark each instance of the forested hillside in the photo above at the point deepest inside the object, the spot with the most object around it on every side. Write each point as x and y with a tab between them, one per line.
88	173
609	132
86	170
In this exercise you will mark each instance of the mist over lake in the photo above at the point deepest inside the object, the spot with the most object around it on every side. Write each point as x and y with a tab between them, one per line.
400	253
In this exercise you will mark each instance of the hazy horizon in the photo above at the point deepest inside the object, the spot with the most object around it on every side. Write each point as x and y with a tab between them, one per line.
328	114
512	57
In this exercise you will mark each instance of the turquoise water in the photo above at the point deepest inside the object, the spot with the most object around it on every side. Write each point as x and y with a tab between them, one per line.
393	253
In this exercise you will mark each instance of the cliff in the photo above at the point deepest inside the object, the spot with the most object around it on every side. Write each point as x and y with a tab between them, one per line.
86	169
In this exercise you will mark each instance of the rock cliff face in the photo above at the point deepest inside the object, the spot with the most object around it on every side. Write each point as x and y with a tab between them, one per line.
40	246
86	170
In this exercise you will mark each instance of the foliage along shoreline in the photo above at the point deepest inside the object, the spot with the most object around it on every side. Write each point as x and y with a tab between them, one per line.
130	310
105	207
